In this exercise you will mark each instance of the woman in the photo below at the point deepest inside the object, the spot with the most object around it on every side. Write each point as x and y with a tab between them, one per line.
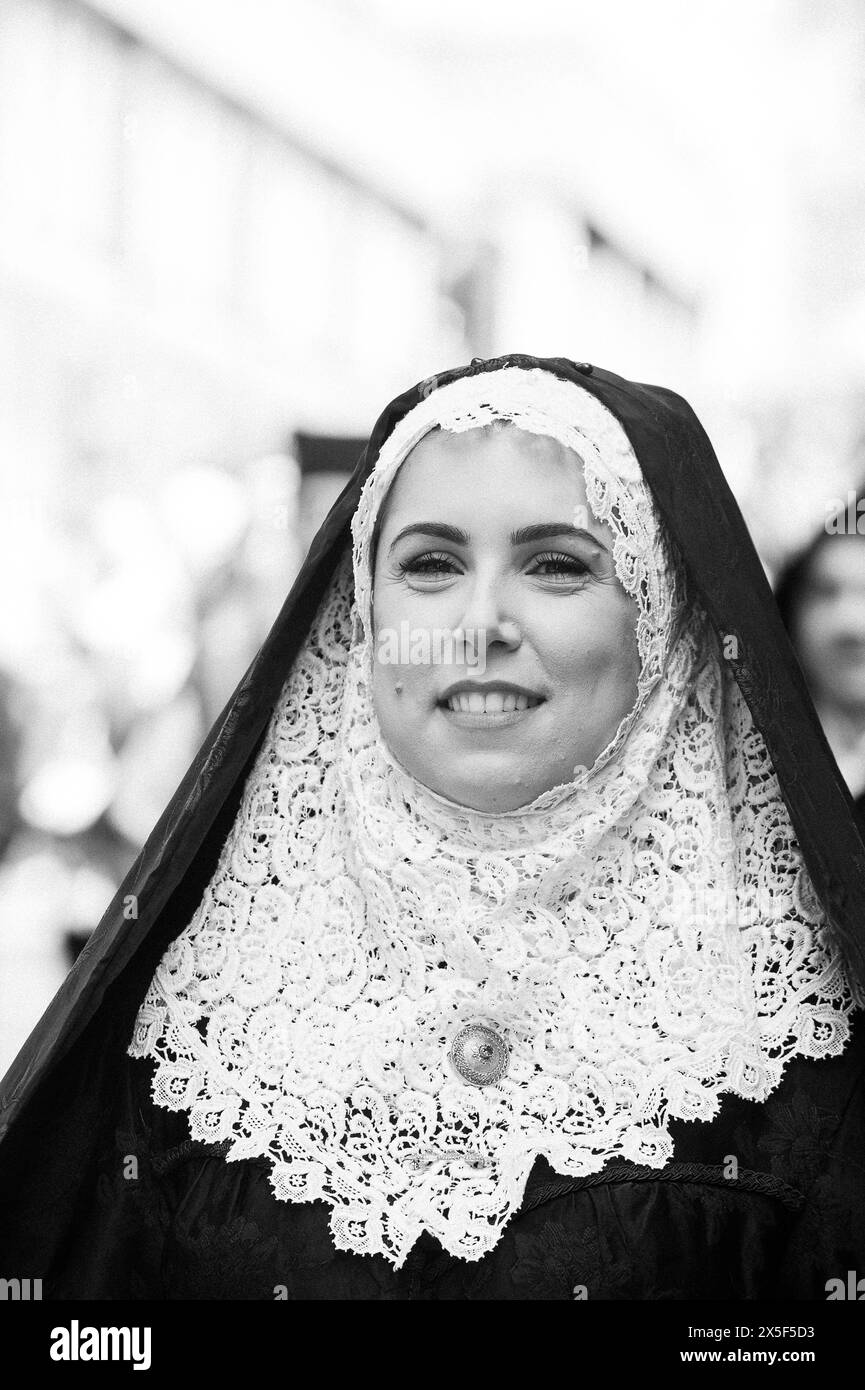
519	964
821	595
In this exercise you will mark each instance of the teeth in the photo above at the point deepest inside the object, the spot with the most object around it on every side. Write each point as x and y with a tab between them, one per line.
494	702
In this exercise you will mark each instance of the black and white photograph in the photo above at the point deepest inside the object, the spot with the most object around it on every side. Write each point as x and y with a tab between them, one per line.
432	666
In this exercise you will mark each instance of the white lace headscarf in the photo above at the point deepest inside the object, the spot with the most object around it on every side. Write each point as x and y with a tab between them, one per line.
645	938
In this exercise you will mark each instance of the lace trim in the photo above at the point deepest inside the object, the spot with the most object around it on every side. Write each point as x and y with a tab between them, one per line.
645	937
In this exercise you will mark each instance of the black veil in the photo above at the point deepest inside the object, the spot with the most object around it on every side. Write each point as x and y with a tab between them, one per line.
56	1096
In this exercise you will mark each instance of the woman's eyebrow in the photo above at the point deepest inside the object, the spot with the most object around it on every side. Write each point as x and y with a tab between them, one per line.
432	528
548	530
541	531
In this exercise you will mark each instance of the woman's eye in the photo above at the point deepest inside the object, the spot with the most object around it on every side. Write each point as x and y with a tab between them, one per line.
431	565
559	566
435	565
825	589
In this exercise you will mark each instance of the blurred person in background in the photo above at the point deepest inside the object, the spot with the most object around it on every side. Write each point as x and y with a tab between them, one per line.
437	988
821	595
11	727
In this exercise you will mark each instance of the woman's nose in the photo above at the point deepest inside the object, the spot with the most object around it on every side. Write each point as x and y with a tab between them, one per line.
845	621
487	614
507	632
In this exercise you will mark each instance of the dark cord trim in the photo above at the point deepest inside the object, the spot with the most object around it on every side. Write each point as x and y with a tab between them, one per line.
694	1173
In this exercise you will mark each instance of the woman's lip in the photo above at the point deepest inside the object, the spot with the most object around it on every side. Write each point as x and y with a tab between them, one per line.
501	719
479	688
488	697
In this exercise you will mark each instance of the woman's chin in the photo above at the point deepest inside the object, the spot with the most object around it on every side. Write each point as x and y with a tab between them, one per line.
490	795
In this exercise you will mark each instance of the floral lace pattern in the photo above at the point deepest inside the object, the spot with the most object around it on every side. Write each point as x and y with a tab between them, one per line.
645	937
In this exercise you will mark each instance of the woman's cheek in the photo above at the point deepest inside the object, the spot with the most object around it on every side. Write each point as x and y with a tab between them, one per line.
596	644
400	686
810	632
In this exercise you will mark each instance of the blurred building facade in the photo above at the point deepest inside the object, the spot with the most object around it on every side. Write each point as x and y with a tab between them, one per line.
226	226
183	286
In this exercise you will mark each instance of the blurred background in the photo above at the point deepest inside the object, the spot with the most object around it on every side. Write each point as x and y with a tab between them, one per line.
231	232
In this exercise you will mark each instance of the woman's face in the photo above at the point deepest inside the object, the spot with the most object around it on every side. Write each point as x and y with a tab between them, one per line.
488	533
829	623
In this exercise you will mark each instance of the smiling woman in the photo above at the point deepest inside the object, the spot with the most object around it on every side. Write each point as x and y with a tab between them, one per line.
450	983
502	558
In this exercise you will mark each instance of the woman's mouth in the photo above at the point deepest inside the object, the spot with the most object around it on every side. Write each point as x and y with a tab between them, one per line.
493	702
493	707
850	651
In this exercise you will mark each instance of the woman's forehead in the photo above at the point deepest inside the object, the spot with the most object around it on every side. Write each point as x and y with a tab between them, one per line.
840	558
488	465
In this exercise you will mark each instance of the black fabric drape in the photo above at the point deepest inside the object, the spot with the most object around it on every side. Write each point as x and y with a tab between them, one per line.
764	1201
66	1084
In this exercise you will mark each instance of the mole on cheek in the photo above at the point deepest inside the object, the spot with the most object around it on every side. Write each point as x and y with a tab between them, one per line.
398	688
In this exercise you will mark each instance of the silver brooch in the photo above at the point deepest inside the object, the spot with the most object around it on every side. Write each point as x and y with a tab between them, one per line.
431	1158
479	1055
